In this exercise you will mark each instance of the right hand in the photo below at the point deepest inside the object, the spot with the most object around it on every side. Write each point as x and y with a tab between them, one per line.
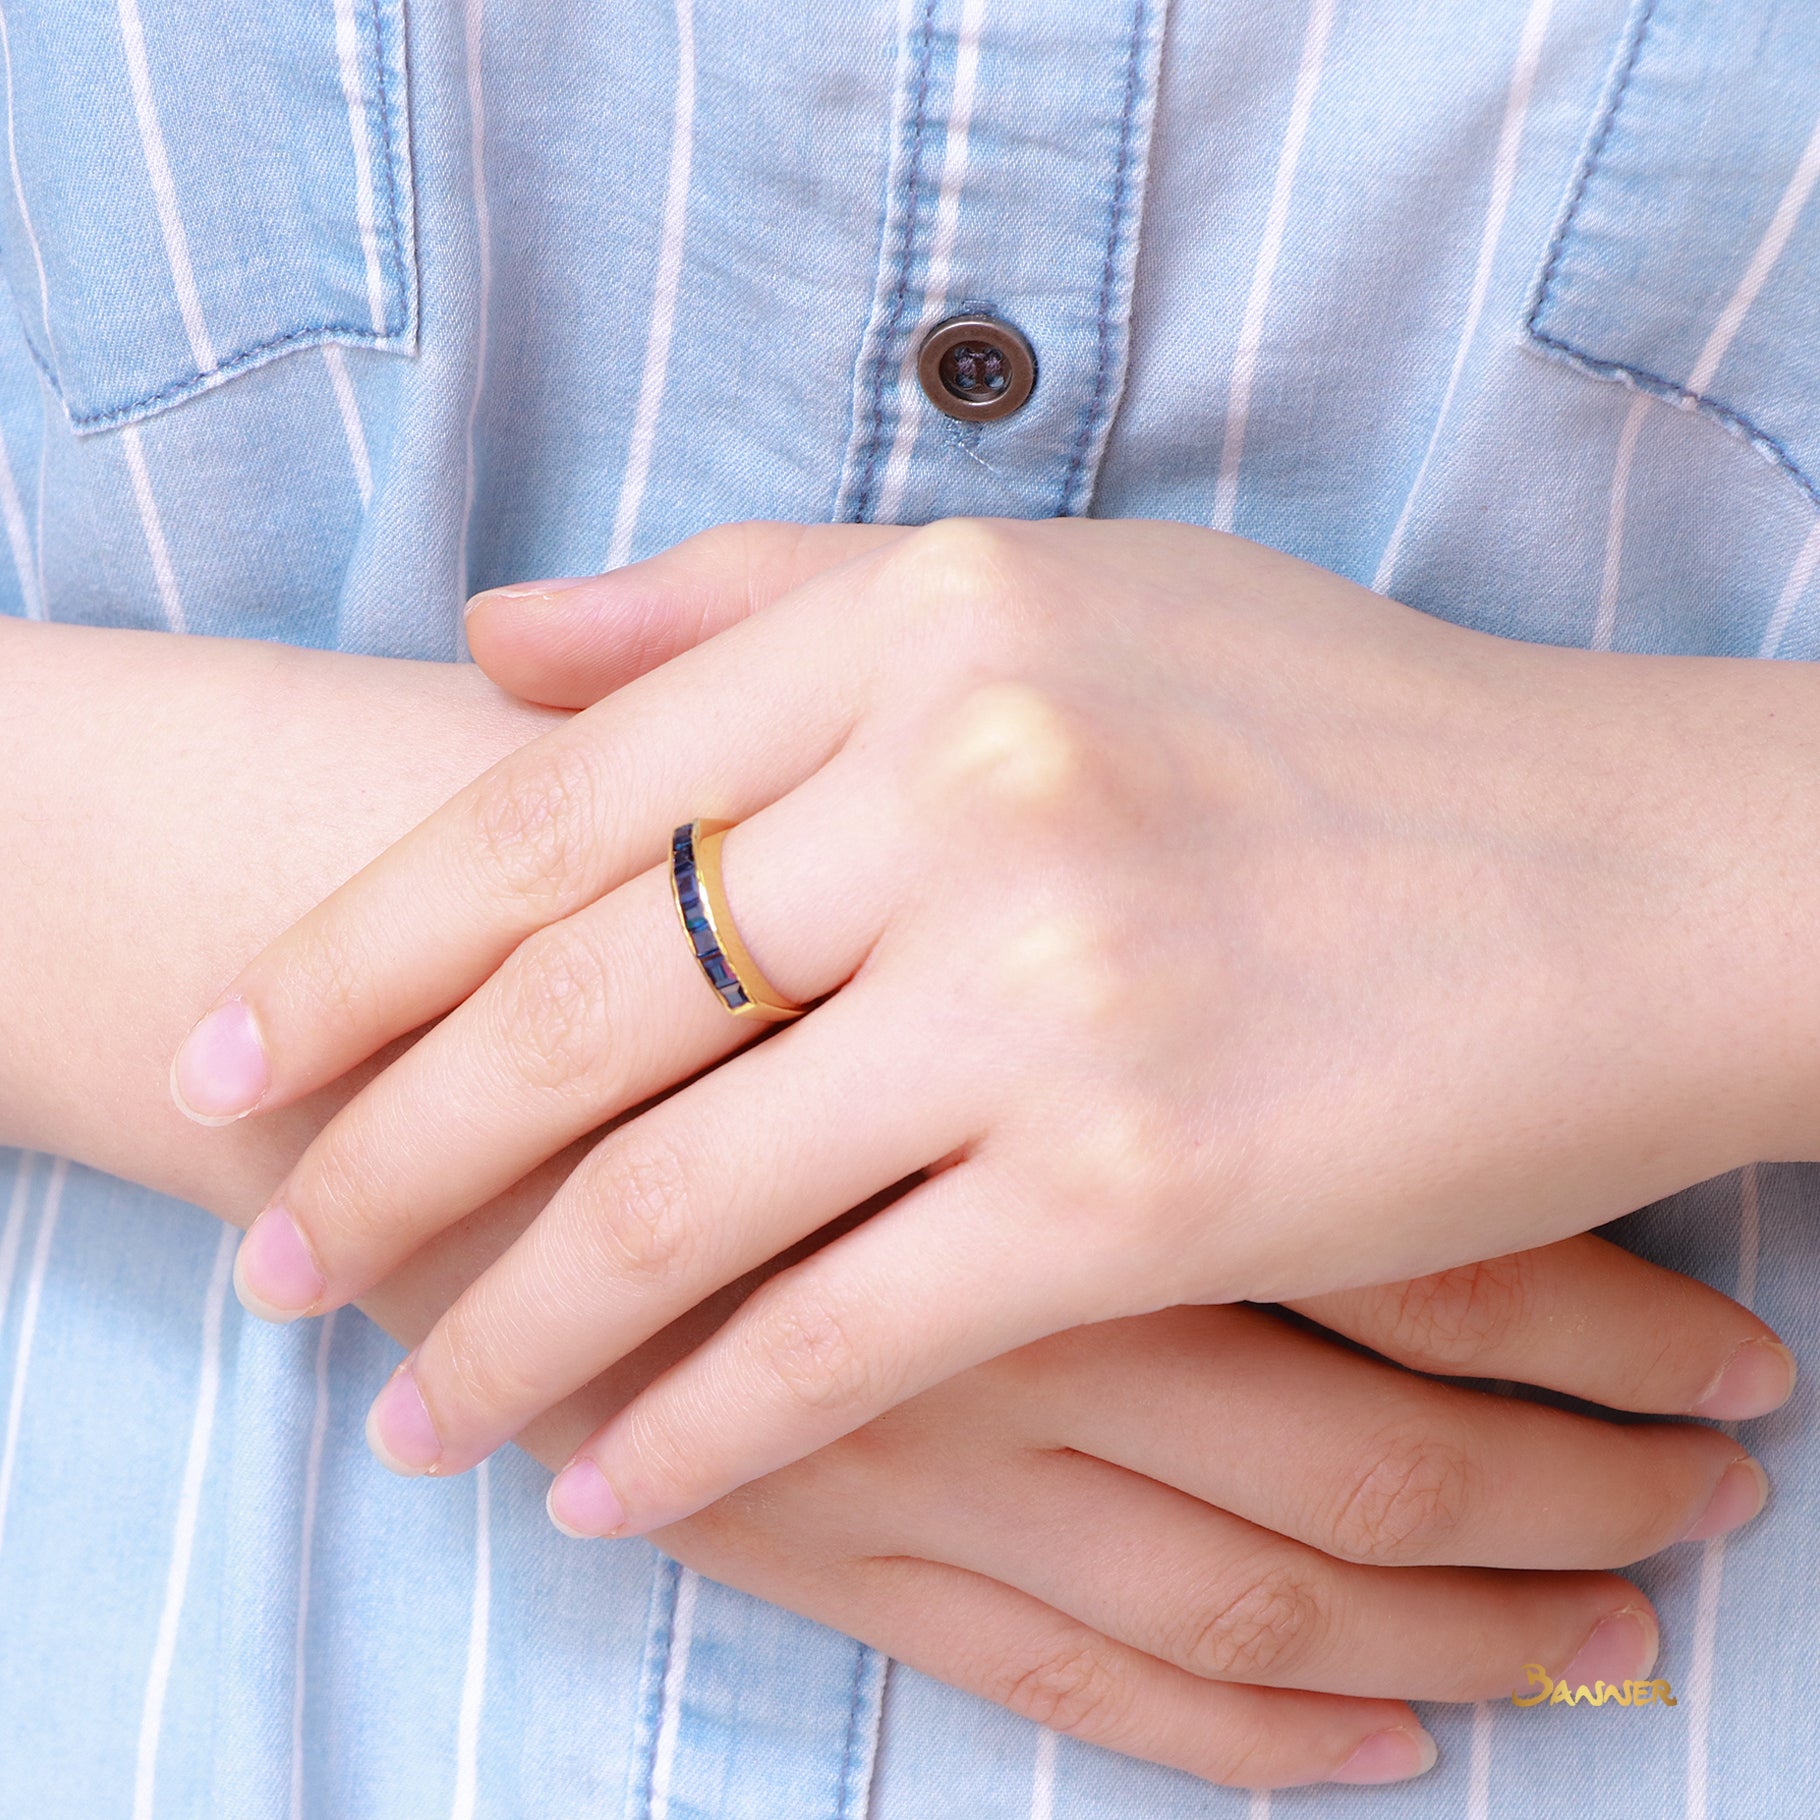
1212	1539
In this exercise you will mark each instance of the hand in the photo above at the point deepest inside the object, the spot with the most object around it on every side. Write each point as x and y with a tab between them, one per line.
1083	1530
205	831
1207	926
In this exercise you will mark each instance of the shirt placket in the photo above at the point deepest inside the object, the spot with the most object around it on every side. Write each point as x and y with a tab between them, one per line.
1015	194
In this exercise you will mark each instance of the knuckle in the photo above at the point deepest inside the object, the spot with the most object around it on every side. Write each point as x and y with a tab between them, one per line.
335	1198
818	1360
1405	1504
1119	1153
551	1009
472	1376
1069	961
340	977
646	1225
534	823
1456	1318
1070	1688
964	563
1257	1633
1010	744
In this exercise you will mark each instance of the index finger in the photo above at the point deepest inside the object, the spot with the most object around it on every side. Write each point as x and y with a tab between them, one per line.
720	731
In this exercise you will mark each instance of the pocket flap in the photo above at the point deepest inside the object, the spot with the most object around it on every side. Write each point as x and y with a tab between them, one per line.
1687	261
199	186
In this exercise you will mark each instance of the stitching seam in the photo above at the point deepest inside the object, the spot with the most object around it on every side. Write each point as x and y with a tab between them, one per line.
399	282
845	1784
883	360
1771	448
353	335
1115	239
1588	167
1658	385
656	1672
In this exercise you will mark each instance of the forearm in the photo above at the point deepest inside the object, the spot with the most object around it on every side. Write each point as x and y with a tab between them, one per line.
168	805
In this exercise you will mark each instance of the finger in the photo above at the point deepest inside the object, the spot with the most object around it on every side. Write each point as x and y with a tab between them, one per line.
1585	1317
1223	1598
546	831
1370	1463
937	1282
991	1640
569	643
691	1195
583	1021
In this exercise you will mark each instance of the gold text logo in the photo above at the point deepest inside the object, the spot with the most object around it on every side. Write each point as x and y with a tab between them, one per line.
1550	1692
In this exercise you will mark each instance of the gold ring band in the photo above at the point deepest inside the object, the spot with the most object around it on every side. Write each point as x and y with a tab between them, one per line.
700	896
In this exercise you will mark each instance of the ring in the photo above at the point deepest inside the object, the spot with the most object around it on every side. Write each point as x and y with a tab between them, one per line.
701	902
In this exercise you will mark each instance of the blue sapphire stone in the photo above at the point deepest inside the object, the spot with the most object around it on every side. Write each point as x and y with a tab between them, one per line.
695	919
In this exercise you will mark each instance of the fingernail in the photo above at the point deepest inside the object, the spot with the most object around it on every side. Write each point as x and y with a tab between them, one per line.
220	1074
1621	1648
530	590
581	1502
399	1429
1392	1756
1758	1377
274	1275
1735	1500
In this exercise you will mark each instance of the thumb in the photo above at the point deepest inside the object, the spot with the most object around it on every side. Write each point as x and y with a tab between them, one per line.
565	644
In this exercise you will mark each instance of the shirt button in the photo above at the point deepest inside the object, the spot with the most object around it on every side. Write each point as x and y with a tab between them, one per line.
976	368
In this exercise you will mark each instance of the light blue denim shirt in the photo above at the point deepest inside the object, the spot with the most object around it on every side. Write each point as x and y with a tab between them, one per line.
316	322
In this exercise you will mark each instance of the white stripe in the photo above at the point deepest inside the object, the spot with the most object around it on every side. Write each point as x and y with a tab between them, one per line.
1697	1695
941	255
19	537
1251	330
1504	177
156	547
28	1328
14	1231
1699	1690
663	294
183	1540
1258	1807
1718	345
44	448
25	214
351	426
1756	274
1750	1222
164	191
1799	579
1606	625
347	48
312	1487
884	283
483	236
474	1679
676	1675
1042	1776
1478	1787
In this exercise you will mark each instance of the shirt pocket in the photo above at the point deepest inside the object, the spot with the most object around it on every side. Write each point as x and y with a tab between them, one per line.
201	186
1687	259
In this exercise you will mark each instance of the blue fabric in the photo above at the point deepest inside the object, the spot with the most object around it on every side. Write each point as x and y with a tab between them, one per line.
1411	288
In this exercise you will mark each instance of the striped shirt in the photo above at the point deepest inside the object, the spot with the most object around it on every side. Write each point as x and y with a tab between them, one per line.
1508	307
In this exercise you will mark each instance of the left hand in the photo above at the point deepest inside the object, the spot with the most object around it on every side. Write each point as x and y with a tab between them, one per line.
1205	926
